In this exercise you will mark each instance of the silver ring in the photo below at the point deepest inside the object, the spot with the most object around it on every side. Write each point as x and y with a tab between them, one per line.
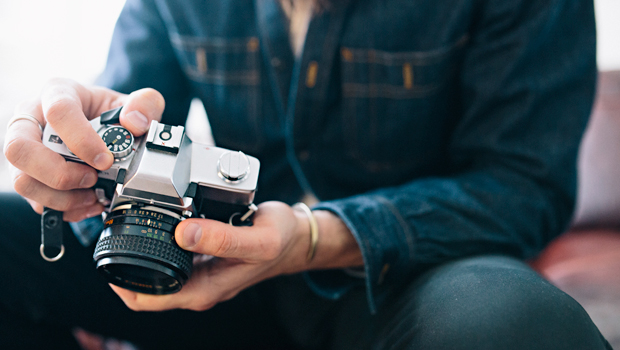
24	116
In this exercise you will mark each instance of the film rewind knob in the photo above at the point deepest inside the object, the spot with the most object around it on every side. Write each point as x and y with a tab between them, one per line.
233	166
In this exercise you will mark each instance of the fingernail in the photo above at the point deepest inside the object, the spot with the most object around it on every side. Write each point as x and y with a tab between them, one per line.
191	235
93	213
90	198
88	180
138	120
102	160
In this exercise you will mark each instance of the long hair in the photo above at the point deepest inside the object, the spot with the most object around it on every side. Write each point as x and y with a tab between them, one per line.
318	5
321	5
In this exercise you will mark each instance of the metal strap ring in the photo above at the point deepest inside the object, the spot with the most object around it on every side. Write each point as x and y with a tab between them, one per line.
56	258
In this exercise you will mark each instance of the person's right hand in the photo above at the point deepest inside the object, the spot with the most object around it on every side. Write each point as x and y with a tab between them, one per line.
44	177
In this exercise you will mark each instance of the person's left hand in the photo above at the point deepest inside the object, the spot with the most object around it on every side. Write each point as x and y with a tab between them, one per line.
276	244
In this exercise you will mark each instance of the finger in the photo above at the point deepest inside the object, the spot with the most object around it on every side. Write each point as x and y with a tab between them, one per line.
63	104
145	302
142	107
74	215
82	213
25	127
37	207
34	190
223	240
24	150
33	108
210	284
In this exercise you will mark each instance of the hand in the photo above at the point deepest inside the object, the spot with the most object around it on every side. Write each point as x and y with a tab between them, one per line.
276	244
44	177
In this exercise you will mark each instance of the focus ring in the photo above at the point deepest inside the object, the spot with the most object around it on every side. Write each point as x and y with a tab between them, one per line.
143	246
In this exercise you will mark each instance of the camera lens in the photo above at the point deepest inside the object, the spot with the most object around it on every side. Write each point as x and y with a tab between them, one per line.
137	250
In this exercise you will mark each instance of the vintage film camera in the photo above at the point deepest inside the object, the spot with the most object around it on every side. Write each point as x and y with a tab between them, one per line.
157	181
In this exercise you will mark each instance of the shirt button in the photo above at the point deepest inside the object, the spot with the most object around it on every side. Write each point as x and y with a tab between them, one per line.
384	271
275	62
303	155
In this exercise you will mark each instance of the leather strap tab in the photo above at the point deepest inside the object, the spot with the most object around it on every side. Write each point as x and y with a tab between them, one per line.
51	235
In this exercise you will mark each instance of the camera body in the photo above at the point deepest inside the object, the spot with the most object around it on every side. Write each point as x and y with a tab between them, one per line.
157	181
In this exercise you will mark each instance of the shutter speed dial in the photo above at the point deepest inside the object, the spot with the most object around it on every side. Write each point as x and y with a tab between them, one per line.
233	166
119	141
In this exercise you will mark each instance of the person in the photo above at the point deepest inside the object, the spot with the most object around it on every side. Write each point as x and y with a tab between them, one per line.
438	138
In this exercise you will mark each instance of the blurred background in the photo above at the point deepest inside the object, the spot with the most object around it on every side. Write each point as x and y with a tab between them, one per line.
41	39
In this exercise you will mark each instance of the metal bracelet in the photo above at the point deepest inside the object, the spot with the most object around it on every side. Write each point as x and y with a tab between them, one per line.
314	229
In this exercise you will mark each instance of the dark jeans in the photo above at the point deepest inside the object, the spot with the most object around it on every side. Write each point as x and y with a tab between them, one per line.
477	303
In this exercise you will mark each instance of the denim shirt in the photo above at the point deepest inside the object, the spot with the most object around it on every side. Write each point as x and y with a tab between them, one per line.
434	129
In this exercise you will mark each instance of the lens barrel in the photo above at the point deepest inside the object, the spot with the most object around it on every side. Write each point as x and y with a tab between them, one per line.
137	250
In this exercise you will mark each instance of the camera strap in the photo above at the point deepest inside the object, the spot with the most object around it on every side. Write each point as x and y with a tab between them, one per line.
51	235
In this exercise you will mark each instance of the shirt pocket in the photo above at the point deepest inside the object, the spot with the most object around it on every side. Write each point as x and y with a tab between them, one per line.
225	74
396	104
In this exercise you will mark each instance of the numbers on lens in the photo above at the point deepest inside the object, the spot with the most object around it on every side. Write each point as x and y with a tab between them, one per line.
118	140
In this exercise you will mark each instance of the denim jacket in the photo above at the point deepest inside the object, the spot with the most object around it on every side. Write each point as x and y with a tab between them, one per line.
434	129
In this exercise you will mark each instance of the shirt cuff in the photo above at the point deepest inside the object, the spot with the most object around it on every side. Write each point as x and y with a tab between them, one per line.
88	230
386	242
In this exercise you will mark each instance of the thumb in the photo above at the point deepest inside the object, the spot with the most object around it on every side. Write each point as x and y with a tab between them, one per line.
223	240
140	108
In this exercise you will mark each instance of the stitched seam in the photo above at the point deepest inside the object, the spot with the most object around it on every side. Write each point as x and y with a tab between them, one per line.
387	90
220	77
399	58
216	44
403	224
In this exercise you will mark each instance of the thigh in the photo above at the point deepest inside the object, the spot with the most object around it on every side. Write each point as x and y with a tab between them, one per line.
70	293
477	303
486	302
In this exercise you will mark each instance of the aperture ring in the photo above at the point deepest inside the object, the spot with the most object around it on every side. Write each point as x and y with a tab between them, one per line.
140	221
145	213
141	231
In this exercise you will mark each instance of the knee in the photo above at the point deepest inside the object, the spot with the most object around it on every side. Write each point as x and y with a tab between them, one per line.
493	303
